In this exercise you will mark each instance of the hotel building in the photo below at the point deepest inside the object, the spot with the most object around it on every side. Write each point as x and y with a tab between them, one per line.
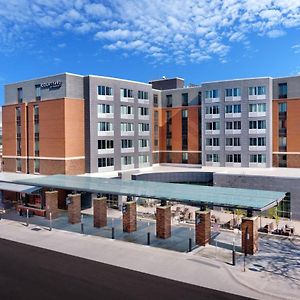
73	124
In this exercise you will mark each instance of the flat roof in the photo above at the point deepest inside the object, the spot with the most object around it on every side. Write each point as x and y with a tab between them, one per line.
19	188
186	193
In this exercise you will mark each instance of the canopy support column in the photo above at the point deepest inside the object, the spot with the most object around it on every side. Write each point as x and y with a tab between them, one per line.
74	208
129	216
202	227
250	235
51	204
163	222
100	212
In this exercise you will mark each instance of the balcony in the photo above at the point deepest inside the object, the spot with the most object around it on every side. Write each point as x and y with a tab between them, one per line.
127	99
105	115
257	131
233	98
144	133
212	164
213	132
257	114
233	115
212	148
257	97
127	133
212	100
233	148
233	131
127	116
257	148
106	151
127	150
106	133
143	101
144	117
144	149
257	165
106	169
105	97
233	165
212	116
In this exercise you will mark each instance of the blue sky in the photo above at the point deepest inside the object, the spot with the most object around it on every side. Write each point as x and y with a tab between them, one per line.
142	40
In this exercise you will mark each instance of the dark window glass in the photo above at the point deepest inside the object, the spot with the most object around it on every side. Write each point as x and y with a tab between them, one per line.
282	90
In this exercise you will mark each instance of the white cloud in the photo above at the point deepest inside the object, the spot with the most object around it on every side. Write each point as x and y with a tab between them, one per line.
296	49
275	33
169	30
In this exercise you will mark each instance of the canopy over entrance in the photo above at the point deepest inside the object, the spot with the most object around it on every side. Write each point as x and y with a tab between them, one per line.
19	188
190	194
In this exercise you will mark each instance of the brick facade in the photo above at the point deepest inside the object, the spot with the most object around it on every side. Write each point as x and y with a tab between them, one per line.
252	242
74	208
163	222
202	227
100	212
129	217
51	204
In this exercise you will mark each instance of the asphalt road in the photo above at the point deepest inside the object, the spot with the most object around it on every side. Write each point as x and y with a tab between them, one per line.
28	272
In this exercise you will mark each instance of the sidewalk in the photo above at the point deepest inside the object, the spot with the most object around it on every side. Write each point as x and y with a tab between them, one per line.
183	267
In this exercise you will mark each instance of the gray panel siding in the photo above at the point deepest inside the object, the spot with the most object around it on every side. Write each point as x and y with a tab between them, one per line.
177	96
282	184
116	84
293	84
244	136
72	87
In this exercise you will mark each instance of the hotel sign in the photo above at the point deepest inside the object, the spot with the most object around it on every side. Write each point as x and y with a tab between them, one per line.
51	85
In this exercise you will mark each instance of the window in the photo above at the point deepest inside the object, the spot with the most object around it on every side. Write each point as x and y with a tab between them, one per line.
184	99
126	127
185	157
20	95
282	107
235	92
169	100
233	142
18	127
36	166
143	159
143	143
144	127
233	158
257	158
126	160
212	157
233	125
18	165
212	142
259	141
143	95
199	98
155	100
143	111
38	92
211	94
259	124
236	108
105	90
282	141
105	144
105	126
282	90
260	107
126	110
257	90
105	109
105	162
126	144
184	113
126	93
212	126
212	110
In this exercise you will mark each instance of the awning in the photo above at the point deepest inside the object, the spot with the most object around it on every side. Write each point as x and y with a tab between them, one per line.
20	188
185	193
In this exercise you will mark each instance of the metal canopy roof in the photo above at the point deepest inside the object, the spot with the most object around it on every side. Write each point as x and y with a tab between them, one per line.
20	188
186	193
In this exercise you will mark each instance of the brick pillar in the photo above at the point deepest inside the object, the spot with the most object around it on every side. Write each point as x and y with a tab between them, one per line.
202	227
74	208
129	216
252	243
100	212
51	204
163	222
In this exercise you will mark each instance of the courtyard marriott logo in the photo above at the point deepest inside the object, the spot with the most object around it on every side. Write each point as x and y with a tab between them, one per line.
51	85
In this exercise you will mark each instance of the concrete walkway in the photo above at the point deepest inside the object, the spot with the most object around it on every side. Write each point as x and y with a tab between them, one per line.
190	268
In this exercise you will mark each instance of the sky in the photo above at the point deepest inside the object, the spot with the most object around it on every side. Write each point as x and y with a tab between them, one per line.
142	40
